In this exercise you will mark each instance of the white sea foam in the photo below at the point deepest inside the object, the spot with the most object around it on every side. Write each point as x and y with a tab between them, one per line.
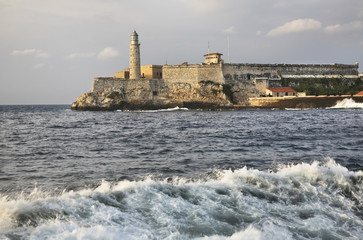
250	233
348	103
302	200
164	110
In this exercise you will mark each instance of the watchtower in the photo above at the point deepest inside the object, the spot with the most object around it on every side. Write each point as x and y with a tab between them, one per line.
135	72
213	58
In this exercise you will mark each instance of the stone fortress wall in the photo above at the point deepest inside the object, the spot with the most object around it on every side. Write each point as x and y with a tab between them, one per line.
193	74
222	73
241	72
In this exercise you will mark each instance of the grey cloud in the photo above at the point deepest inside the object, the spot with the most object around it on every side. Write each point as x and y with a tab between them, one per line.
352	26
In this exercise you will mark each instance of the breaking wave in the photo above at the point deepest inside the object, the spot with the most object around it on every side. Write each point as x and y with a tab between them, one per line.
348	103
301	201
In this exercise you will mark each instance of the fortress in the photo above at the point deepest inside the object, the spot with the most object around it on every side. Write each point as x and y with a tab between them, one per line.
211	84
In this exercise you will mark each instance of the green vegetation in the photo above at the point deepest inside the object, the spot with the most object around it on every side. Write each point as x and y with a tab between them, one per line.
334	86
227	89
206	82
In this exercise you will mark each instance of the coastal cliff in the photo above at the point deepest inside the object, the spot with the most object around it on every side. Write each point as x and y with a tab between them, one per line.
109	94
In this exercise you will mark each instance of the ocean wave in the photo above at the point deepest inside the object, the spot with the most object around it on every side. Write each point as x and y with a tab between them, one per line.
348	103
305	200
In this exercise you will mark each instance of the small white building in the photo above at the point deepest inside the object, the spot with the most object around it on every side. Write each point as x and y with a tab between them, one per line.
280	92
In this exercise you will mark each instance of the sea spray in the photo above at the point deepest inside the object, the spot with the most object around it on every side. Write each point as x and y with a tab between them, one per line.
163	110
295	201
348	103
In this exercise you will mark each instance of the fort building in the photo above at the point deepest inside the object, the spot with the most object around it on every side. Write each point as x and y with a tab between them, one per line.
146	72
253	79
213	58
280	92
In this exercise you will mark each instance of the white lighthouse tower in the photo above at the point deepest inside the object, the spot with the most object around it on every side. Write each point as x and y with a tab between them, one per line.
135	72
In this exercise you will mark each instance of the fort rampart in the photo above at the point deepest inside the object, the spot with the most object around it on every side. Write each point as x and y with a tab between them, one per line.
243	72
222	73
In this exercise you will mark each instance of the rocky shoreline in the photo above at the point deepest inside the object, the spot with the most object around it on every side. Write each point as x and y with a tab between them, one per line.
301	102
253	103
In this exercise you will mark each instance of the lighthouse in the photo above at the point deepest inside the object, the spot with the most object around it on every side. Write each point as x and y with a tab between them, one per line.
135	72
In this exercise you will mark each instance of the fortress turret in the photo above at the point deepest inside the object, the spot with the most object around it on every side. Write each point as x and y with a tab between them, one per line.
135	72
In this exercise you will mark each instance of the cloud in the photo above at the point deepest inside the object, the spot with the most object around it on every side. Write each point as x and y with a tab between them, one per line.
352	26
107	53
80	55
30	52
299	25
229	29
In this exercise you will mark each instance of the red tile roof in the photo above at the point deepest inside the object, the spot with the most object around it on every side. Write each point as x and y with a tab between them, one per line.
282	89
360	93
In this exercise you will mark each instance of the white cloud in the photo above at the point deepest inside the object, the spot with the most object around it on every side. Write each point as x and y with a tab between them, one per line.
352	26
333	28
299	25
107	53
80	55
229	29
30	52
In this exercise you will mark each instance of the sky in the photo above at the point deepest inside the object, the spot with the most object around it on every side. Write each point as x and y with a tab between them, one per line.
50	50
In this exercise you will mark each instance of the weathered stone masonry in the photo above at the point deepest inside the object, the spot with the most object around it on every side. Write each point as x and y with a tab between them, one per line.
239	73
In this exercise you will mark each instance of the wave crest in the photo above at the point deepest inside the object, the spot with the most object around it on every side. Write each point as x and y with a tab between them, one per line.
293	201
348	103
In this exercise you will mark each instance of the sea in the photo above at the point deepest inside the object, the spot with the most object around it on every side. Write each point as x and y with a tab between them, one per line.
181	174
